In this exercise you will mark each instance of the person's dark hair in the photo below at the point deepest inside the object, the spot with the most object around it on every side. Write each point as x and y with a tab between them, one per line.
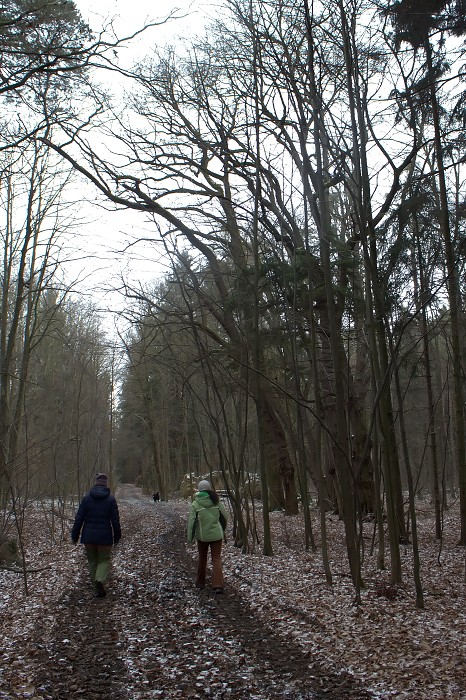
213	495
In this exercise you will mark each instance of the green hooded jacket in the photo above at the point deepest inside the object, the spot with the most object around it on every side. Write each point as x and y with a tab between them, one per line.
204	519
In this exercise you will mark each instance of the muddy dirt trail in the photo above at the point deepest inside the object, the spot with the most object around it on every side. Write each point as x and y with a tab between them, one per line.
156	636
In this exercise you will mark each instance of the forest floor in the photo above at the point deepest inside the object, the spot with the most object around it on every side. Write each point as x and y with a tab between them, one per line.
279	631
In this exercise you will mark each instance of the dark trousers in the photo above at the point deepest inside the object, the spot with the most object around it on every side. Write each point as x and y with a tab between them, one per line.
216	555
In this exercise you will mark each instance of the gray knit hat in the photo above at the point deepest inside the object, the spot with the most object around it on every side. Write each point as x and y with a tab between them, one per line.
101	480
204	485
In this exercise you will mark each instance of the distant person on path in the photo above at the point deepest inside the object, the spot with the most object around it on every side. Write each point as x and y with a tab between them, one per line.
206	523
156	497
98	522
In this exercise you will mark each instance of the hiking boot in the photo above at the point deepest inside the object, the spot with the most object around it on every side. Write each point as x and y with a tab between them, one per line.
218	591
101	592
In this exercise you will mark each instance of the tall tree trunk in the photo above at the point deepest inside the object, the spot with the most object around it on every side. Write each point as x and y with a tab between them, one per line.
422	292
412	495
256	336
338	427
454	298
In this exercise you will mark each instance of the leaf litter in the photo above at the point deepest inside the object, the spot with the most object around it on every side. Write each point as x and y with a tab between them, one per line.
279	631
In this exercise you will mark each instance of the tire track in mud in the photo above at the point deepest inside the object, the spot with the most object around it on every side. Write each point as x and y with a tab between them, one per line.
77	656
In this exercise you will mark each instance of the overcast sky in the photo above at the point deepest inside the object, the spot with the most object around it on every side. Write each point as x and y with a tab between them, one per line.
103	232
131	15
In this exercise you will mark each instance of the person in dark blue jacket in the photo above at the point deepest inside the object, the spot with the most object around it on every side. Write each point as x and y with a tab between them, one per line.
98	522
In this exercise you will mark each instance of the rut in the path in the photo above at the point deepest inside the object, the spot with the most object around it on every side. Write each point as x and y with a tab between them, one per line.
79	657
155	636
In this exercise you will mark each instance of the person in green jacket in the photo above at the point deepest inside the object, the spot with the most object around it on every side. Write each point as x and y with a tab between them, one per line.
206	524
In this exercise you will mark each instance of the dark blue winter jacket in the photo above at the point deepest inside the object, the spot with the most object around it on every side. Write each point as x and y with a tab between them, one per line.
98	518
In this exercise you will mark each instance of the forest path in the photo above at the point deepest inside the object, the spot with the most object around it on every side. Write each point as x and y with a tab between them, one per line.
156	636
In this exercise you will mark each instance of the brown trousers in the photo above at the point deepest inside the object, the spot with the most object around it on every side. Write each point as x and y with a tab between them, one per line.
216	555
